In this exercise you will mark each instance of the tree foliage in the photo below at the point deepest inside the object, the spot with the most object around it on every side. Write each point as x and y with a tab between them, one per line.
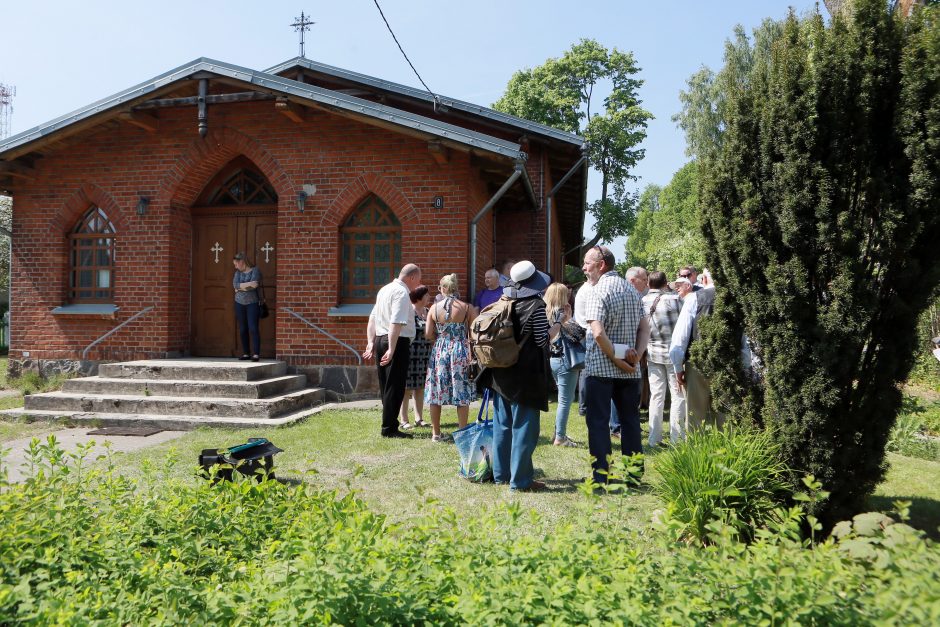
666	235
560	93
821	216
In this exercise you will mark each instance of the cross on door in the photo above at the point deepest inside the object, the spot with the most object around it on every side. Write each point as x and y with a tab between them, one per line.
216	249
266	249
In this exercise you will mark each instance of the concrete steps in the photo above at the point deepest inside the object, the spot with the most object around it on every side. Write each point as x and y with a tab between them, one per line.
181	394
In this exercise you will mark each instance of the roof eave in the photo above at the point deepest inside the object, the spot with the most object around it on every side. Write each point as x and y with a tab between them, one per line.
405	90
471	140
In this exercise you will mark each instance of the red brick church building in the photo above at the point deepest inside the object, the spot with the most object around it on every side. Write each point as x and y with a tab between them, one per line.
126	212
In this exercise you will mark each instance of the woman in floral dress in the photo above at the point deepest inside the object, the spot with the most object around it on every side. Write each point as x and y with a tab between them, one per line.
448	381
418	362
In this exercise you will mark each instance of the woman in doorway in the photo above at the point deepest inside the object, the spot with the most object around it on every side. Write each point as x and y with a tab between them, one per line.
246	281
448	381
418	362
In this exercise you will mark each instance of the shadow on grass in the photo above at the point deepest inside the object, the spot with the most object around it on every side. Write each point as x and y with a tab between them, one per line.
925	513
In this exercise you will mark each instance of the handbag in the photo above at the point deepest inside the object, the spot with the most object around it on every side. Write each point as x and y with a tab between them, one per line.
475	445
262	304
573	353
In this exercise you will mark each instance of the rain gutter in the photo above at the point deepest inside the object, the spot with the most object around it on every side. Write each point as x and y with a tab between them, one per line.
519	171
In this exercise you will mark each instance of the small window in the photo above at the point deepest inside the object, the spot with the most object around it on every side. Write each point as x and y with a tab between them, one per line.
244	187
371	255
91	259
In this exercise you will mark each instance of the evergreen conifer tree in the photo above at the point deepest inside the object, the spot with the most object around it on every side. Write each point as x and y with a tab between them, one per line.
821	215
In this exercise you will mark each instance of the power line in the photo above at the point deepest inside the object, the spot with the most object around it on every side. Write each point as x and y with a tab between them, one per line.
387	25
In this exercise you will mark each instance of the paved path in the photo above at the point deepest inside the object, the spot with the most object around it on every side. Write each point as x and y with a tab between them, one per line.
69	439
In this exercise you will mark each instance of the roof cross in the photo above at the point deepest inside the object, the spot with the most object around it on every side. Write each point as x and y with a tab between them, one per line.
302	24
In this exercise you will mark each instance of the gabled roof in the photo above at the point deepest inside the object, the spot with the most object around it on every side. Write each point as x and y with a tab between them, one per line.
420	94
340	102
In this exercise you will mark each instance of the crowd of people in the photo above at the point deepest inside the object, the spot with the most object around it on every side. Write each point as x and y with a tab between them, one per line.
615	343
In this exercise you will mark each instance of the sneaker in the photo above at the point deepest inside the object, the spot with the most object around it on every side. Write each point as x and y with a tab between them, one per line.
442	438
406	426
566	441
397	434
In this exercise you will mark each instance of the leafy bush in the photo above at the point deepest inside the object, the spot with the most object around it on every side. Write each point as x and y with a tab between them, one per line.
731	475
79	544
910	434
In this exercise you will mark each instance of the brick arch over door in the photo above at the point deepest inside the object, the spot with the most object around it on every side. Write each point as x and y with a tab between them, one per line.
357	191
186	179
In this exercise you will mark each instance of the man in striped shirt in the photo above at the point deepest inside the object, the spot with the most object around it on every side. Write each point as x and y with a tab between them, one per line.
662	307
615	314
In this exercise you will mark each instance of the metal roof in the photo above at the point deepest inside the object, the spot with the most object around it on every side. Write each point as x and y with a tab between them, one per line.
505	118
343	102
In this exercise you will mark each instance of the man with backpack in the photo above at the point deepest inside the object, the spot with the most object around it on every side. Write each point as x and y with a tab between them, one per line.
510	342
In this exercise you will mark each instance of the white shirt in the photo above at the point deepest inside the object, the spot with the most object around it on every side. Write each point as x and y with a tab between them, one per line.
580	305
393	306
682	333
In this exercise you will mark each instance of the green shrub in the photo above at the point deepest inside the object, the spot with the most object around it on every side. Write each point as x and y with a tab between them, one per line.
81	545
913	432
732	475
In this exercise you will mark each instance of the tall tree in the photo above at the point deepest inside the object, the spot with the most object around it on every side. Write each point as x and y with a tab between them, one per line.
666	235
561	93
821	215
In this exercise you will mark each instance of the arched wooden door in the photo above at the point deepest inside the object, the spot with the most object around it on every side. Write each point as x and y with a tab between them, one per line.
239	215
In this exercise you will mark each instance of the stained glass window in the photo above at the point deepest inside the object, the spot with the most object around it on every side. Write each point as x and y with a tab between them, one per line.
371	242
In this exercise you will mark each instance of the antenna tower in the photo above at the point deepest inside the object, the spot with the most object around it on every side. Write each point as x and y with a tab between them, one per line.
6	108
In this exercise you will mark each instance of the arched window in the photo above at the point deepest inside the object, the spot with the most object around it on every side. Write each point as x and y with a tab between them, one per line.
243	187
371	241
91	276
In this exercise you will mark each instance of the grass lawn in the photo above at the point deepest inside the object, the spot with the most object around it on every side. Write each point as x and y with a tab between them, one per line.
341	449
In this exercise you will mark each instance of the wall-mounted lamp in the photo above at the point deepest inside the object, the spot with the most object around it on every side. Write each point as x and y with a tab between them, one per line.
142	203
305	193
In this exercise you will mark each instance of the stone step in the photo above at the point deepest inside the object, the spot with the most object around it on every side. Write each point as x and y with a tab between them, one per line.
203	369
261	388
218	407
169	423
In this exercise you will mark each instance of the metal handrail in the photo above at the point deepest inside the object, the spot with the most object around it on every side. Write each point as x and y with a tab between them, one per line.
324	332
115	330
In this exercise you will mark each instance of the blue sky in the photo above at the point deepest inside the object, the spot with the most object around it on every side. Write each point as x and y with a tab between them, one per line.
61	55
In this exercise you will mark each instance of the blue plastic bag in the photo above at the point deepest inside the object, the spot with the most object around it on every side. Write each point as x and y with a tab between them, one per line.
475	444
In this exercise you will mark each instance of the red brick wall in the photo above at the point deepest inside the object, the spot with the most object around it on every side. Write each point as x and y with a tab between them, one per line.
345	159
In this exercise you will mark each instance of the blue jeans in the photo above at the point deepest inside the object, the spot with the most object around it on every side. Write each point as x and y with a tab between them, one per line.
248	317
600	394
515	433
566	380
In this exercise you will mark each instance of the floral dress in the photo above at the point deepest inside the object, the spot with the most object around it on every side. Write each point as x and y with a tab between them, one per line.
420	352
448	381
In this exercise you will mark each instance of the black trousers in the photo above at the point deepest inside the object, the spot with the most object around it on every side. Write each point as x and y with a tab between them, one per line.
392	379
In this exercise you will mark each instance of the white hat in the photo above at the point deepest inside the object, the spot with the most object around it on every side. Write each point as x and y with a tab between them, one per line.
526	281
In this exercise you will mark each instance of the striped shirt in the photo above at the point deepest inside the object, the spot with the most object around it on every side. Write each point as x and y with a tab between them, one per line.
662	322
616	304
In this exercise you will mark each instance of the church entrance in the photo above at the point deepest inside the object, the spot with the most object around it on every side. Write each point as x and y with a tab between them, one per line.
239	215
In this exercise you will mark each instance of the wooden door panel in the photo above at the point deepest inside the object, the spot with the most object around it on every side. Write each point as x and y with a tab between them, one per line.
213	321
261	242
214	330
